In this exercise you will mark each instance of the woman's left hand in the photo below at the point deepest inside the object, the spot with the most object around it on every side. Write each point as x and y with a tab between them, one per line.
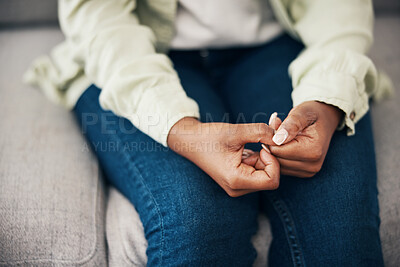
302	139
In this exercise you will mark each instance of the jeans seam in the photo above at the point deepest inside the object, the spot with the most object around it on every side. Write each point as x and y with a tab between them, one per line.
290	230
133	170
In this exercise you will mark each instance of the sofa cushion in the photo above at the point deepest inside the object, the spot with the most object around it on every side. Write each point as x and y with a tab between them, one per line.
387	6
385	116
51	191
28	11
45	11
125	235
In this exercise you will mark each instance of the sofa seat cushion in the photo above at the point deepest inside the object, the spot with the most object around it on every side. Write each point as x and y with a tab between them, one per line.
51	190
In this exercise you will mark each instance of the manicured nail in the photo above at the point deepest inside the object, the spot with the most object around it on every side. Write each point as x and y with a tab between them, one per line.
247	153
272	118
280	136
265	148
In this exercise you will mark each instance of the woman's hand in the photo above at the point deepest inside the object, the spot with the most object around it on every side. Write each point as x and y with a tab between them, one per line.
302	139
217	148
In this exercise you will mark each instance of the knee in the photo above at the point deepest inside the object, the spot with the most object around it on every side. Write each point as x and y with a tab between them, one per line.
204	236
208	231
189	220
349	234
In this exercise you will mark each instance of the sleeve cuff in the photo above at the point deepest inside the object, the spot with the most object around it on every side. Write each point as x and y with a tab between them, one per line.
342	78
157	111
352	100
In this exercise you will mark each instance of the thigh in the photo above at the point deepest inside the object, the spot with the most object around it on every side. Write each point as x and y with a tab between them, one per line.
187	218
258	83
332	217
198	85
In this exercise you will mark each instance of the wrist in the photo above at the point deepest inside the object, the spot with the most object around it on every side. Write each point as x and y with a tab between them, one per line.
333	114
182	132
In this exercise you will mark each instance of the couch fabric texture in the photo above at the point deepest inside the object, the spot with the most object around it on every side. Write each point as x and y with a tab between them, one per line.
55	209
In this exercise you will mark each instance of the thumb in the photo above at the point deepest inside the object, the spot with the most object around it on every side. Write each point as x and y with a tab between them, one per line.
274	121
299	118
254	133
270	163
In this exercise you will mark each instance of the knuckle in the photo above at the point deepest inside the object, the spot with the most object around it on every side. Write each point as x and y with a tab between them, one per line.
308	175
233	193
315	168
291	126
275	149
262	129
273	183
233	183
316	153
311	117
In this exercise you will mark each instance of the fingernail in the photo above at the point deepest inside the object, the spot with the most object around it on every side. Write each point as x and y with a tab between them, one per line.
265	148
280	136
247	153
272	118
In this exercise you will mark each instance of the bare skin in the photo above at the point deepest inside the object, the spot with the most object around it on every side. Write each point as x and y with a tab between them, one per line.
218	148
310	127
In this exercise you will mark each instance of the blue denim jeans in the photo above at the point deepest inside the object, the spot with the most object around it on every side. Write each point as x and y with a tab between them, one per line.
331	219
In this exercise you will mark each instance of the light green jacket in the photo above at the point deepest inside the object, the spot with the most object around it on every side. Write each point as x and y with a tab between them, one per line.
120	46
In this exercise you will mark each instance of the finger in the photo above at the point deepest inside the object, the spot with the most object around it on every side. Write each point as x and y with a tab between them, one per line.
260	165
267	179
234	192
238	192
299	174
302	148
251	159
274	121
250	178
254	133
270	162
294	165
247	153
247	177
255	161
298	119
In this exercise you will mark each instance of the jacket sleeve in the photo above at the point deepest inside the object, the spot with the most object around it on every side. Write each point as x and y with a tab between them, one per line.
118	55
333	68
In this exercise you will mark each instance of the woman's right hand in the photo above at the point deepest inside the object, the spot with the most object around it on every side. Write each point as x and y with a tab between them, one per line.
217	149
